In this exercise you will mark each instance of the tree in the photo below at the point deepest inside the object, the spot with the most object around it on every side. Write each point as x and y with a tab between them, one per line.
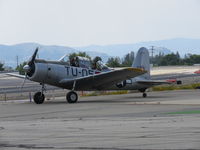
128	59
114	62
82	54
170	59
20	68
1	66
192	59
177	55
157	59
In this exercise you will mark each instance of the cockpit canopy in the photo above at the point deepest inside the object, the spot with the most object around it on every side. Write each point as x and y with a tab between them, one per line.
84	62
65	59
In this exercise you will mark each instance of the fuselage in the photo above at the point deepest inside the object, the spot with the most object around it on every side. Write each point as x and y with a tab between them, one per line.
52	72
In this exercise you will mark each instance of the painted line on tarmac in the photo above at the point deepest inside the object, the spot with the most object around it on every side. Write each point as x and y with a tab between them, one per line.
184	112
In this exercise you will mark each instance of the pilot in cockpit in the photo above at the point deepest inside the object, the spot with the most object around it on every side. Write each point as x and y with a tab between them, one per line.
74	62
95	63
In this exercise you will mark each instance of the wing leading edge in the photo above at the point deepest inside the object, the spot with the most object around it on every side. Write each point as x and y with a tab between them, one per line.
102	80
16	75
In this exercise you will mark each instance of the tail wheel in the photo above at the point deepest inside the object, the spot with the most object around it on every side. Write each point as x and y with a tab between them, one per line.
72	97
39	98
144	95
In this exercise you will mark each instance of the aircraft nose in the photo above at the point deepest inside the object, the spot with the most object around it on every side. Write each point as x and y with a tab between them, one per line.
26	68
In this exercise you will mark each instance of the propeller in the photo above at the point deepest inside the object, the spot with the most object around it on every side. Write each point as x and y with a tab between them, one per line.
29	68
31	62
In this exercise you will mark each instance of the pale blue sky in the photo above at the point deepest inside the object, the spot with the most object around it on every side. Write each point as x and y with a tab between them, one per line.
86	22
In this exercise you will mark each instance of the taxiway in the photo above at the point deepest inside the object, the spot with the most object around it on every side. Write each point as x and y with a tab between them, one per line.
163	120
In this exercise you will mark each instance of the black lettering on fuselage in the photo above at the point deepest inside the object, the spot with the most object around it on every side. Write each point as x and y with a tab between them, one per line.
67	70
84	72
74	71
91	72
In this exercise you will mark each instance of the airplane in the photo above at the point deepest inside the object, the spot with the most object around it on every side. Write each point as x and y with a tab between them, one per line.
80	74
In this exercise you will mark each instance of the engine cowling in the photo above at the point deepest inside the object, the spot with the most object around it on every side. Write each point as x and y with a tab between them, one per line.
40	72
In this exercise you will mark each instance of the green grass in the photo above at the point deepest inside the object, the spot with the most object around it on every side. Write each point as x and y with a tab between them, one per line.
175	87
185	112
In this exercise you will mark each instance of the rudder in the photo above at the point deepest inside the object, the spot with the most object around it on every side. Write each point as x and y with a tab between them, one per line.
142	61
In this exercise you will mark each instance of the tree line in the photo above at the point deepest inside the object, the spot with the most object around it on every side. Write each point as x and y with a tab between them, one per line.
172	59
126	61
158	60
175	59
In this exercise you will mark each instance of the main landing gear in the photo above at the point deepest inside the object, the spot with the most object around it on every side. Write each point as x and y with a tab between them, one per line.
72	96
39	97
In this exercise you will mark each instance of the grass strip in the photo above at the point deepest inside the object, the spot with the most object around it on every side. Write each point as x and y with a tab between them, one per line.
98	93
176	87
185	112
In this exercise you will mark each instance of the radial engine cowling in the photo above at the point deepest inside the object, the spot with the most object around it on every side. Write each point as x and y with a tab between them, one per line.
39	73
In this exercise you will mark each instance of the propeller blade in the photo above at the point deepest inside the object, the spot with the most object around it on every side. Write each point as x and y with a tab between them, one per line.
29	66
31	62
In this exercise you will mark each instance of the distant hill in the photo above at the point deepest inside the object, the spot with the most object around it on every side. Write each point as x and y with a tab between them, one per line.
25	50
182	45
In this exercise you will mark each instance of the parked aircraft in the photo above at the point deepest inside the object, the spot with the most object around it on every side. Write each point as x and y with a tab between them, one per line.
81	74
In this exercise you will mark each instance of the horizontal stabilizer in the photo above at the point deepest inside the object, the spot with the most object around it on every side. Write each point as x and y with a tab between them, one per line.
153	82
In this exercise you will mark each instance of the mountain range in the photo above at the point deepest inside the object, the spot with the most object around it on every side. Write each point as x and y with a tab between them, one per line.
182	45
8	53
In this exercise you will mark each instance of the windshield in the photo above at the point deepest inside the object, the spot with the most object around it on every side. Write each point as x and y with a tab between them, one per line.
65	58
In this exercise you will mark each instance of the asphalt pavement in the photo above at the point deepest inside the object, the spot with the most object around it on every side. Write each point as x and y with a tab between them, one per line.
163	120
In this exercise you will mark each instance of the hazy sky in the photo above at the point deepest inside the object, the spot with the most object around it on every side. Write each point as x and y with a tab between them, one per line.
86	22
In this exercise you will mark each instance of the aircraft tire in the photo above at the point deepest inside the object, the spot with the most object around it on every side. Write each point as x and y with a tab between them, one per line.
39	98
144	94
72	97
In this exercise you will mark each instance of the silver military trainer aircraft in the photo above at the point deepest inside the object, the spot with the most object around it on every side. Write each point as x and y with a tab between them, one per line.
81	74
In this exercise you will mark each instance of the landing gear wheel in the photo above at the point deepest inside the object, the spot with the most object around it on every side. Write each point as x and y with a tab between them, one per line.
39	98
144	95
72	97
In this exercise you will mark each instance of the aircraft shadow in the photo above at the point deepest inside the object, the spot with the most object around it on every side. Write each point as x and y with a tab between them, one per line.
116	100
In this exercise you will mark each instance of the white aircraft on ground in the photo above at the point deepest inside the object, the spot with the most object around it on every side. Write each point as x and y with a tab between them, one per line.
81	74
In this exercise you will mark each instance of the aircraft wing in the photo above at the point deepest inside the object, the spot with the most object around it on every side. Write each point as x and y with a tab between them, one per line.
102	80
16	75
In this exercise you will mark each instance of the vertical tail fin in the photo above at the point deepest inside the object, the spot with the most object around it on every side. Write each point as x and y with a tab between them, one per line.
142	61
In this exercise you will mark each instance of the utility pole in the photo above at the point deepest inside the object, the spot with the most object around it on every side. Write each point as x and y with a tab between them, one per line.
17	58
152	50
